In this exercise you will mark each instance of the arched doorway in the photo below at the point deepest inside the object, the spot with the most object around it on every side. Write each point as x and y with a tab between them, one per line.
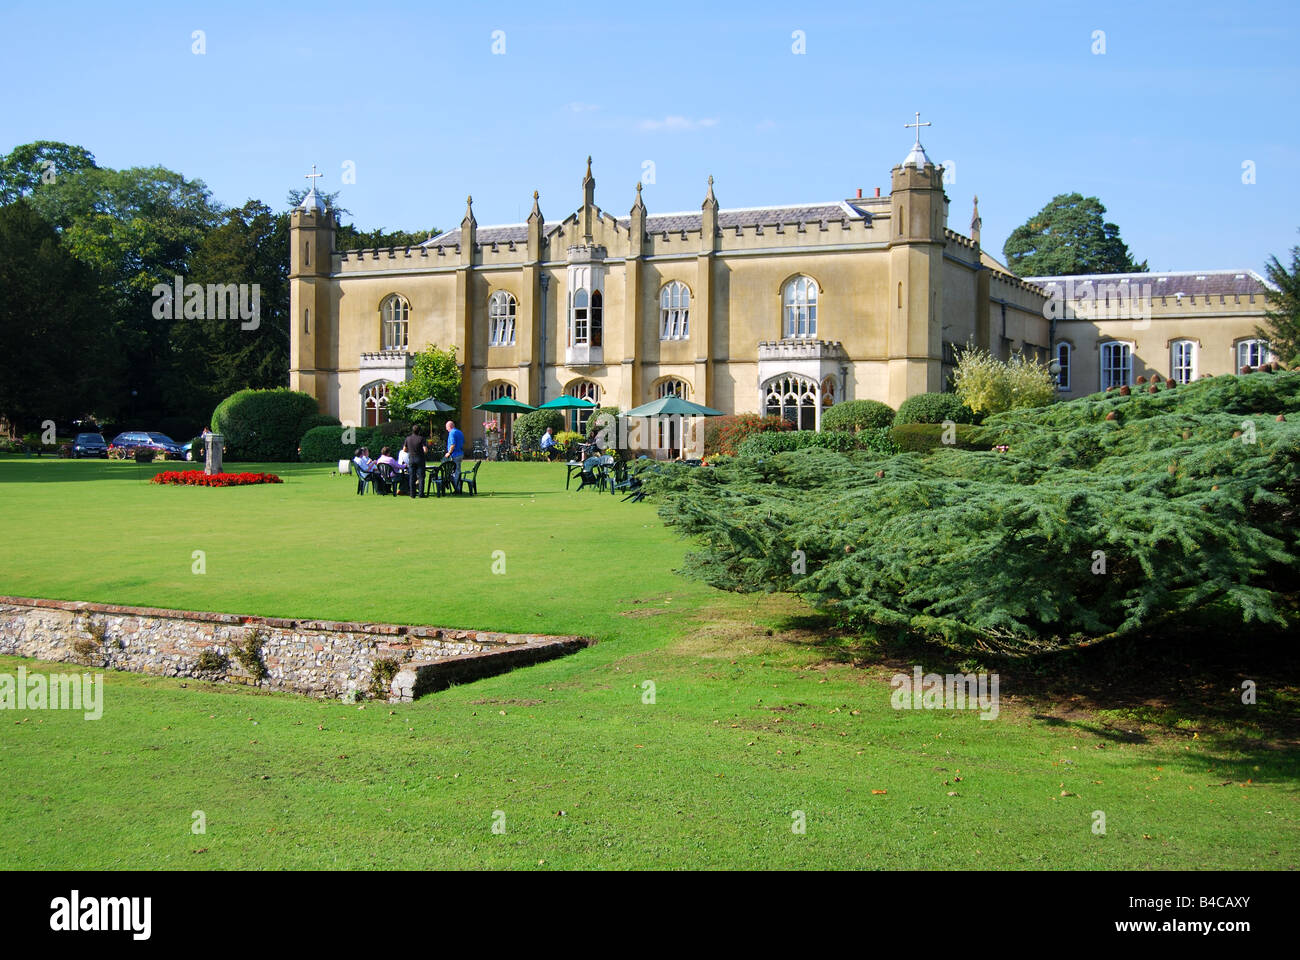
505	422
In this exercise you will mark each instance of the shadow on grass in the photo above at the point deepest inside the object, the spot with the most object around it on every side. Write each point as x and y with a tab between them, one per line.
1240	683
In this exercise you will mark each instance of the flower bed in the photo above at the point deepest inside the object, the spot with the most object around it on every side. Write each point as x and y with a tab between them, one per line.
197	478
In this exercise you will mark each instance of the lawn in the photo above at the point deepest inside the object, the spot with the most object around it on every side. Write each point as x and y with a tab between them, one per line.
758	710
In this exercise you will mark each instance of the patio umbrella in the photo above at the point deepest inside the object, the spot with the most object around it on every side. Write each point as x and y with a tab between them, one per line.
504	405
673	406
566	402
431	405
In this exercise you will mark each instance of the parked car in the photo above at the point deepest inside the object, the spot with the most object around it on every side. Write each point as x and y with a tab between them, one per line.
194	449
126	444
89	445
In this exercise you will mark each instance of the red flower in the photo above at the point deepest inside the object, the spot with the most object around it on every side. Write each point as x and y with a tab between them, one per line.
197	478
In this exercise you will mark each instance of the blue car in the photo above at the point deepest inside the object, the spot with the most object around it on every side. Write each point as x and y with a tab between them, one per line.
126	444
89	445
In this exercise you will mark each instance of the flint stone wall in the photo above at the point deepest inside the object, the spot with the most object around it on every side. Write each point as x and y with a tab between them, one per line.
325	658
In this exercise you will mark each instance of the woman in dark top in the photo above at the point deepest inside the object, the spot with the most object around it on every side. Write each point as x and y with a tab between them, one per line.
416	450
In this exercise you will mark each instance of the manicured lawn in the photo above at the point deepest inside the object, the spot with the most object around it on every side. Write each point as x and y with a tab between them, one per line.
755	715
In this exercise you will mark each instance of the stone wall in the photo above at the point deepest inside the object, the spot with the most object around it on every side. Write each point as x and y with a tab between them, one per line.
318	657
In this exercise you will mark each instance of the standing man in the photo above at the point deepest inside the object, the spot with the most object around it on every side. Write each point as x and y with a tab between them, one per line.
455	450
415	451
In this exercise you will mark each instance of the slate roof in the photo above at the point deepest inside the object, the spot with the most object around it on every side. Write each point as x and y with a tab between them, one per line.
802	213
1190	283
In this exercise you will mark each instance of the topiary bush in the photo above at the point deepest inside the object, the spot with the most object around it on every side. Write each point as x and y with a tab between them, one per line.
924	437
530	426
858	415
724	435
264	425
768	444
934	408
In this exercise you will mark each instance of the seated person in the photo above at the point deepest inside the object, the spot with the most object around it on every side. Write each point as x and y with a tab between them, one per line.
363	461
386	456
547	443
403	459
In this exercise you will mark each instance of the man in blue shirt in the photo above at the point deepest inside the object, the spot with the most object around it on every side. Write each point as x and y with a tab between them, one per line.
455	450
548	443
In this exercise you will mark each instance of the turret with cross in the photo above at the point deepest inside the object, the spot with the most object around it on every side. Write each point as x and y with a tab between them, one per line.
312	201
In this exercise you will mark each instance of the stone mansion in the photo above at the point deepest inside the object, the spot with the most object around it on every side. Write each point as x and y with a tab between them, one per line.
781	309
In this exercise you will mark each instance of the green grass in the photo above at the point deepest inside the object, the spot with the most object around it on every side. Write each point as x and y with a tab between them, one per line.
756	715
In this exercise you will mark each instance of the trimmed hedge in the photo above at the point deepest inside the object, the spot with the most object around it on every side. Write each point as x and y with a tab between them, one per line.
264	425
325	444
933	408
858	415
767	444
530	426
924	437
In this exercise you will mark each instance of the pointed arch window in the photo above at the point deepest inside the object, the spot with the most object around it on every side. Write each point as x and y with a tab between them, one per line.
597	309
505	422
395	314
801	307
792	398
584	390
501	320
675	311
374	403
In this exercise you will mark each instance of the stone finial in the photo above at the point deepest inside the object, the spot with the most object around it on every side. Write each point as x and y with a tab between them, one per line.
537	210
975	221
639	205
709	197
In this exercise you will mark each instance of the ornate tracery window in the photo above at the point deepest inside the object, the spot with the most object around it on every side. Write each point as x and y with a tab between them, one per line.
793	398
675	311
374	403
501	320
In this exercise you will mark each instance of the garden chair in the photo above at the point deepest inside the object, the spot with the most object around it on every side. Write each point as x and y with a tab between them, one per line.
444	478
367	478
596	472
469	481
389	480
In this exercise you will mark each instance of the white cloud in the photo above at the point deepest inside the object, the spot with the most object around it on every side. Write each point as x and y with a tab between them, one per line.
677	124
582	107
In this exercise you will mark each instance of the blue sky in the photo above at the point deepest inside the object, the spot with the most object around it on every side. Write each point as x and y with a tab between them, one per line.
1158	126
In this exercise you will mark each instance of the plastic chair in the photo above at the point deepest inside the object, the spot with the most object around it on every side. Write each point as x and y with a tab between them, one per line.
469	481
444	477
